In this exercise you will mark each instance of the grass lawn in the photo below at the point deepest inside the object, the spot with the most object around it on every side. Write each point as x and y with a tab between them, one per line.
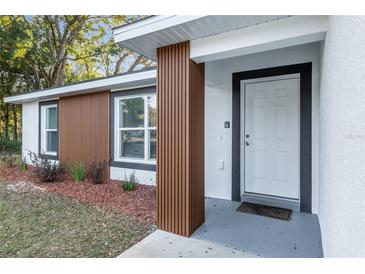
34	223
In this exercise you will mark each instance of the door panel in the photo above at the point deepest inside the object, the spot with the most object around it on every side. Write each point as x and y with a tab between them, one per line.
271	141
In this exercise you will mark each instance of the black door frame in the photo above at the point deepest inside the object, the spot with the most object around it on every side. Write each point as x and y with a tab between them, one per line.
305	147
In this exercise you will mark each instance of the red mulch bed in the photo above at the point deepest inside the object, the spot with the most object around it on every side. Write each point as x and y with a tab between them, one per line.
140	203
14	174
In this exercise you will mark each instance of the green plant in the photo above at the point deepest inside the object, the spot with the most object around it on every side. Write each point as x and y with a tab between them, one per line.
130	182
8	145
8	160
22	164
46	170
78	172
95	171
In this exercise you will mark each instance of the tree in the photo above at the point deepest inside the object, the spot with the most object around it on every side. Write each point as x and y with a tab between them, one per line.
48	51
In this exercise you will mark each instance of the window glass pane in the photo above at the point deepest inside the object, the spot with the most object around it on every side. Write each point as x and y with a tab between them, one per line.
132	143
51	141
152	144
152	110
131	113
51	118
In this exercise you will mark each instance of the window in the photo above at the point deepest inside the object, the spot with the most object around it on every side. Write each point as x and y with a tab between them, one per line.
135	124
49	129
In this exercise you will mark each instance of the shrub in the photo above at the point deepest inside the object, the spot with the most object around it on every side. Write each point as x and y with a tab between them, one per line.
8	160
77	172
95	171
22	164
130	182
46	170
8	145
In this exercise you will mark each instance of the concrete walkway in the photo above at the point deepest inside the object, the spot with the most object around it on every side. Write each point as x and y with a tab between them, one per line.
161	244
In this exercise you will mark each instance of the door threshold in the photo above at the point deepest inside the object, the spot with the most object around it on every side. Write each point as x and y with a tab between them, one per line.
271	201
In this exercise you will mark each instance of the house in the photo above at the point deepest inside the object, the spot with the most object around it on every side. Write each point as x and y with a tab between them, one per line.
267	109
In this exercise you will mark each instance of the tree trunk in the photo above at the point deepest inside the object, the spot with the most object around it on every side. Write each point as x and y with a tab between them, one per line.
135	63
15	132
62	71
119	63
6	118
37	81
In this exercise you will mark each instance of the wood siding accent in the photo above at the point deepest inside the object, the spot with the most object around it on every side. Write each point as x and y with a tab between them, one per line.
180	140
197	167
84	128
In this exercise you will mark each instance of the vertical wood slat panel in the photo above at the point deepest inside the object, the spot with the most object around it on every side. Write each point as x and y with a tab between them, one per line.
171	174
187	142
84	128
196	111
180	140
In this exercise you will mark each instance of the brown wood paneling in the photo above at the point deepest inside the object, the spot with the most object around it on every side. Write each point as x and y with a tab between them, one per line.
84	128
180	140
196	102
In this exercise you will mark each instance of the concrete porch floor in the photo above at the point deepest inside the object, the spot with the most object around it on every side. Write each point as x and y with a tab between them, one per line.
266	237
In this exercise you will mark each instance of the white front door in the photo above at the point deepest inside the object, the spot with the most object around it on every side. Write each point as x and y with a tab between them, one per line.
271	136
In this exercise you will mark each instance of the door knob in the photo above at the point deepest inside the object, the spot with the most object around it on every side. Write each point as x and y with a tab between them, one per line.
247	144
247	135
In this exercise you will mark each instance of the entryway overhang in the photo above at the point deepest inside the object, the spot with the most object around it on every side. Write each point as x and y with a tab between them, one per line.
217	37
146	36
286	32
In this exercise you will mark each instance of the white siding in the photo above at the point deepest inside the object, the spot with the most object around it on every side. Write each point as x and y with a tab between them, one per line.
342	154
30	128
145	177
218	108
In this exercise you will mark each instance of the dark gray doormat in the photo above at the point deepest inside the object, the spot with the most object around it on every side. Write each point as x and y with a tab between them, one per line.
268	211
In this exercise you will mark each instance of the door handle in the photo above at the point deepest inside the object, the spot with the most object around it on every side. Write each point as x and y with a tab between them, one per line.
247	144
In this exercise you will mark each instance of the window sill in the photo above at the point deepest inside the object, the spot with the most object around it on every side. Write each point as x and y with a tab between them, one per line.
49	156
134	165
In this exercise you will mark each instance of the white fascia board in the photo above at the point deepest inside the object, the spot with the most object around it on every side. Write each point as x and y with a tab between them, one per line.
125	81
151	25
281	33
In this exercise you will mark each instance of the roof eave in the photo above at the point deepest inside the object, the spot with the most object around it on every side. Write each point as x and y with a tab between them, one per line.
151	24
135	80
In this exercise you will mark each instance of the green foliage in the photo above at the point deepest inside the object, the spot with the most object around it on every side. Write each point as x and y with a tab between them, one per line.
46	170
129	183
77	172
10	146
22	164
8	160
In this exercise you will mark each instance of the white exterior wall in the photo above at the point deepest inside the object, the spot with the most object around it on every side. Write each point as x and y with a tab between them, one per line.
30	129
218	108
342	152
145	177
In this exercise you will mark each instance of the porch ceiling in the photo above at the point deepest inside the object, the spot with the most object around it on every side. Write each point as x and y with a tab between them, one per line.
145	36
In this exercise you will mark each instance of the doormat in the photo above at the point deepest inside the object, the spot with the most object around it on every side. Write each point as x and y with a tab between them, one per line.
267	211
